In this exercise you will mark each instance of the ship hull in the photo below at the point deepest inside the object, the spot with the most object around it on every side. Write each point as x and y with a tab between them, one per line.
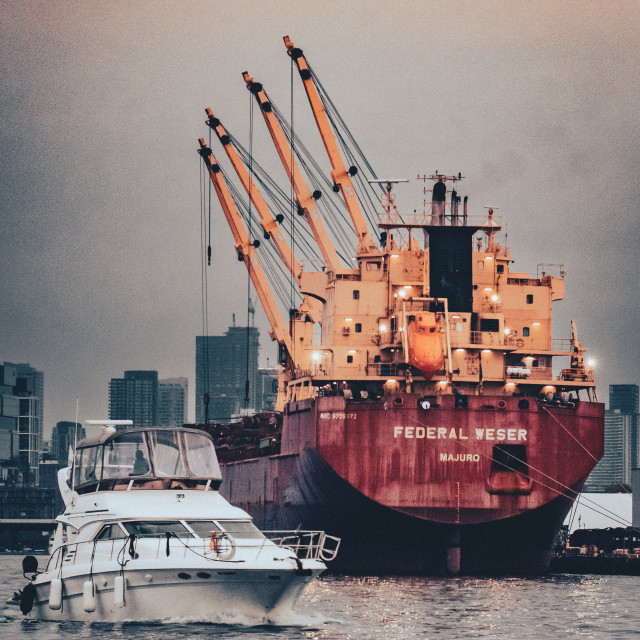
424	505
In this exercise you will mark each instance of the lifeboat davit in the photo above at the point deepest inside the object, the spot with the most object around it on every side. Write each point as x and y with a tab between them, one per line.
425	344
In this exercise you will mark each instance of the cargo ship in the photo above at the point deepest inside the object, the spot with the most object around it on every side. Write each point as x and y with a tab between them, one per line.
425	413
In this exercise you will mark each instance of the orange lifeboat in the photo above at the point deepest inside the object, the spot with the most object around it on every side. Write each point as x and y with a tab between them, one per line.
425	344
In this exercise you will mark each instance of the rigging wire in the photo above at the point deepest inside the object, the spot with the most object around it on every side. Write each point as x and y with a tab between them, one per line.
567	492
204	286
246	382
292	216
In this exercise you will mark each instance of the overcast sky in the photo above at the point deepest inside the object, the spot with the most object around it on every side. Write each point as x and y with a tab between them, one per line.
101	105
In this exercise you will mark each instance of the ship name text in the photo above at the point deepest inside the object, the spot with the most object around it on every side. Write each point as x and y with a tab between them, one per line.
444	433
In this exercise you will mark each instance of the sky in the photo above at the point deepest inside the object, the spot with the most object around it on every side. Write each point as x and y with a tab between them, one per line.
101	106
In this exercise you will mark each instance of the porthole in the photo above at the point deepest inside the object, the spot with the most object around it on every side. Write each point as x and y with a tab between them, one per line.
523	404
184	576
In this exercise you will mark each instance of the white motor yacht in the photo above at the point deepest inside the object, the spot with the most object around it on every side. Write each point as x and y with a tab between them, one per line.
145	535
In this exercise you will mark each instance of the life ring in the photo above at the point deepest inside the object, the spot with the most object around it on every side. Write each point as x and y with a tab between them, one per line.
520	343
501	404
223	545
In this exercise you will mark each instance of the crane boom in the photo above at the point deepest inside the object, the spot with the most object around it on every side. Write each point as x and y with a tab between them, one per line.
245	249
304	198
269	225
339	174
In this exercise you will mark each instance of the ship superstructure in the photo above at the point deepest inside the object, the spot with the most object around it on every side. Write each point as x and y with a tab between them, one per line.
421	388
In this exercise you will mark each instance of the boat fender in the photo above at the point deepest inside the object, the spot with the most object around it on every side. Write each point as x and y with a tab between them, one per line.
118	591
88	596
55	594
223	545
27	596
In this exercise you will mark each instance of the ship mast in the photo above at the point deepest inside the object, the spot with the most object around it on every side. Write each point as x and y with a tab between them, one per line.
341	177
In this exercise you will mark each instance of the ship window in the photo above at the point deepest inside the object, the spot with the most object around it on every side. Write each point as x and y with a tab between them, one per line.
349	359
125	456
376	358
111	532
203	528
373	265
201	456
480	265
356	294
358	327
167	457
500	268
489	324
529	298
156	528
525	332
394	323
242	529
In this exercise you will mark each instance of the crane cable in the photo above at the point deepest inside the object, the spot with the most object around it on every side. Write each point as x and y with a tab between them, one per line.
203	282
246	382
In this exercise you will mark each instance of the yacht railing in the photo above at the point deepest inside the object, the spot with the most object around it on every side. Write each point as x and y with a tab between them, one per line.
228	547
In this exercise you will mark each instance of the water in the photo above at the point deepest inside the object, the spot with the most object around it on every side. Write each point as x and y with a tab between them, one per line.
343	608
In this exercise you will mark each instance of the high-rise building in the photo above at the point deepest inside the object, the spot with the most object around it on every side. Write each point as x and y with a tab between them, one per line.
22	391
135	397
224	366
9	411
626	399
621	447
63	437
172	402
30	382
268	389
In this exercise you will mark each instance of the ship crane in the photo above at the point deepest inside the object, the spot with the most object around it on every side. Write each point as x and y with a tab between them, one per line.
339	174
269	224
246	251
304	198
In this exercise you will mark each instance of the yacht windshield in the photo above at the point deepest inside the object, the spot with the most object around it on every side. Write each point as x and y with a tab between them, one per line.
148	454
126	456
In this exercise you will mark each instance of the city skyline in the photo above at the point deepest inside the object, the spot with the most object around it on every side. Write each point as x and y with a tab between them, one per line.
102	108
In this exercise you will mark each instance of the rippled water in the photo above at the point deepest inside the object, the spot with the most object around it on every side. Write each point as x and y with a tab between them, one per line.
342	608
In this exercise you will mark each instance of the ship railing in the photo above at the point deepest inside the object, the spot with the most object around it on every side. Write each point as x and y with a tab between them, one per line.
561	344
385	369
517	372
577	374
432	218
315	545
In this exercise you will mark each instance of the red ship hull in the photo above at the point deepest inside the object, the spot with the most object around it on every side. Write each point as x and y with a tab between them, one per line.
479	484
